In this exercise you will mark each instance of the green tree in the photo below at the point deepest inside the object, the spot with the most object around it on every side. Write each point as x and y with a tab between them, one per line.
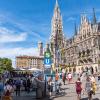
5	64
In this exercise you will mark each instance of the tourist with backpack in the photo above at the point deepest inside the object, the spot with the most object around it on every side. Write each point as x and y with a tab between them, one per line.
78	88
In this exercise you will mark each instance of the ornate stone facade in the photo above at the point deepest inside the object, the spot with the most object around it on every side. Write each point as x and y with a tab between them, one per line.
82	50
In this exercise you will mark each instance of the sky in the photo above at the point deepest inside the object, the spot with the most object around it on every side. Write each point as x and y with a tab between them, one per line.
23	23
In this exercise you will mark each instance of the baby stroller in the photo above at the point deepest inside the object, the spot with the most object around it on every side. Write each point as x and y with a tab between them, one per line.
58	87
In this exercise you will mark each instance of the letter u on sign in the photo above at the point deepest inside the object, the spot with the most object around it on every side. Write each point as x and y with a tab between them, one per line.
47	61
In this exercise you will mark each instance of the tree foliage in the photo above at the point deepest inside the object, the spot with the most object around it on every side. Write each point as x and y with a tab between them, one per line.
5	64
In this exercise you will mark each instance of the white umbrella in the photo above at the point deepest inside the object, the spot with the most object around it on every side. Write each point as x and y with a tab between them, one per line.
35	69
22	69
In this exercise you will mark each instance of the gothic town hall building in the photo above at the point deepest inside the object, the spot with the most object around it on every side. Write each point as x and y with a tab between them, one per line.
82	51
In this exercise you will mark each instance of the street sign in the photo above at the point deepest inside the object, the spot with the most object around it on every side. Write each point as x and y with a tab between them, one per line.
47	54
47	61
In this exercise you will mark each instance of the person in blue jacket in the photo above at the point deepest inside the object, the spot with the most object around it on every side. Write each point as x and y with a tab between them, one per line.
1	88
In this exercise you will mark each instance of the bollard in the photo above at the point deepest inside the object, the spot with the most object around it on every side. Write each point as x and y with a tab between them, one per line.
45	87
50	89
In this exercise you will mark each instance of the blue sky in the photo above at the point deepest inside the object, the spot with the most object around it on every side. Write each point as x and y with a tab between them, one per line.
25	22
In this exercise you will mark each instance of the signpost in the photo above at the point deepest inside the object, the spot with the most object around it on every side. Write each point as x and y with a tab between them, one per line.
47	65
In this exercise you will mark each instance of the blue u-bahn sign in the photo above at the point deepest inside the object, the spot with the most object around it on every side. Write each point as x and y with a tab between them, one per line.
47	59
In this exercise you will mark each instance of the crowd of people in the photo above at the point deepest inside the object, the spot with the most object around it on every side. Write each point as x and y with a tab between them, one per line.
84	84
16	85
88	86
9	86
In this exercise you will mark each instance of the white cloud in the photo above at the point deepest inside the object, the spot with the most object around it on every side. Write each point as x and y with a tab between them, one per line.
71	19
7	35
13	52
22	24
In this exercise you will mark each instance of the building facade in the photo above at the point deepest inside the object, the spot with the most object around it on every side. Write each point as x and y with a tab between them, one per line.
80	52
28	62
83	49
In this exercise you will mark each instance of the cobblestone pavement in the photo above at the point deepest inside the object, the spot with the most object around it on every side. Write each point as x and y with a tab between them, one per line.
67	93
28	98
70	93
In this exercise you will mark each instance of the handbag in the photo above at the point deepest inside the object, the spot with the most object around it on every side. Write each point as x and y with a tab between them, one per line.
91	91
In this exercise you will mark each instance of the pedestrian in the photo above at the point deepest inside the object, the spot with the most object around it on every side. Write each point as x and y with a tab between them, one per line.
56	82
92	77
1	88
88	88
94	87
50	87
25	84
64	78
82	77
8	89
69	77
28	85
78	88
18	86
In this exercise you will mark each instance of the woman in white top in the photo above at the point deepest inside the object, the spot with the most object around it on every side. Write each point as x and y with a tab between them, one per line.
69	77
88	86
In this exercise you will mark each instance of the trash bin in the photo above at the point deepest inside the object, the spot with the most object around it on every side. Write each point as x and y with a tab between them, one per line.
39	93
40	89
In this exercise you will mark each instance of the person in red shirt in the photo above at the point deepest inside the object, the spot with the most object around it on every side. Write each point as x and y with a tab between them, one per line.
78	88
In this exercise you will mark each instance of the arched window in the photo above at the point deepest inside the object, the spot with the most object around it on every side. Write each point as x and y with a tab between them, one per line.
74	69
